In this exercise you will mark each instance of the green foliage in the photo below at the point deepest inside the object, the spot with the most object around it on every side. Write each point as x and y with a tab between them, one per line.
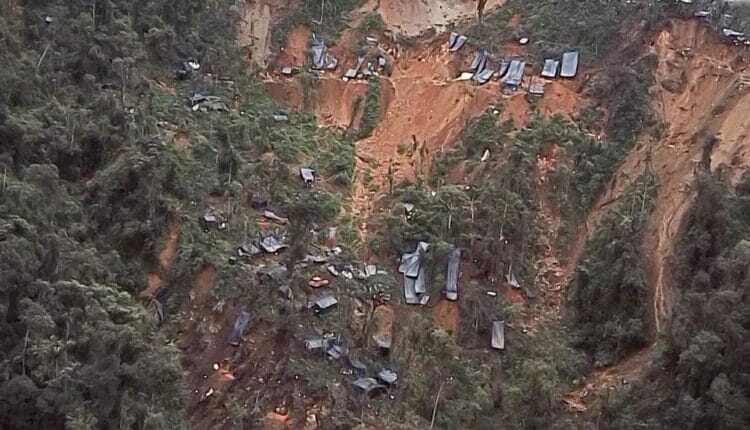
325	18
371	113
590	25
697	381
372	21
607	298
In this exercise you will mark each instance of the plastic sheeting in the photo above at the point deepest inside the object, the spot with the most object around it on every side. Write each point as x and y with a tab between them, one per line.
451	278
307	175
550	68
514	76
415	285
484	76
456	41
272	244
370	386
238	328
502	69
498	335
569	67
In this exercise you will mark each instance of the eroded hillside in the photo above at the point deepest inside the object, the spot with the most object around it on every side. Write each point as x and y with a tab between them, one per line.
336	215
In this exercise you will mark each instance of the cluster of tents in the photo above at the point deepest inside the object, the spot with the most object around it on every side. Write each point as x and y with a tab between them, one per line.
510	71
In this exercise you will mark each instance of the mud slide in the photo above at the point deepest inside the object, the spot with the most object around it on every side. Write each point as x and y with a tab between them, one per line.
424	114
413	17
253	29
156	278
701	87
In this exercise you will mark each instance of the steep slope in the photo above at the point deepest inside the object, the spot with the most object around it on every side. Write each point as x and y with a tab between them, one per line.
701	90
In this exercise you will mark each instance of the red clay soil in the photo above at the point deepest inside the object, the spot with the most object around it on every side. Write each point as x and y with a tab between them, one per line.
701	86
293	51
156	278
446	316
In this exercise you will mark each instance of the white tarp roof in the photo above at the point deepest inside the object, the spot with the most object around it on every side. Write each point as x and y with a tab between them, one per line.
569	64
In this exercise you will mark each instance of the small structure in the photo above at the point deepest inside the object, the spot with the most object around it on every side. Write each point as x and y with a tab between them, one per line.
510	277
370	270
502	68
307	175
415	287
249	248
387	376
204	103
485	155
514	75
317	343
321	60
357	365
456	41
274	272
209	222
187	69
536	89
271	215
498	335
408	210
272	244
451	277
324	303
336	351
238	328
550	68
289	70
479	62
280	116
370	386
569	67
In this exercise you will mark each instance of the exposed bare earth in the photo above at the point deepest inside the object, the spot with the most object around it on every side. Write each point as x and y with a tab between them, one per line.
414	17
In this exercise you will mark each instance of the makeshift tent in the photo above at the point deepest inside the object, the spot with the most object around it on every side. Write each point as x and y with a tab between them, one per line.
388	376
307	175
498	335
249	248
272	244
318	50
479	61
536	89
550	68
370	386
569	64
451	278
456	41
511	278
484	76
514	76
324	303
502	68
414	275
275	272
238	328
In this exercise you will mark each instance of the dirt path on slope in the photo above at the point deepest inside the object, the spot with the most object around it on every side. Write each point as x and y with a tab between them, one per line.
156	278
